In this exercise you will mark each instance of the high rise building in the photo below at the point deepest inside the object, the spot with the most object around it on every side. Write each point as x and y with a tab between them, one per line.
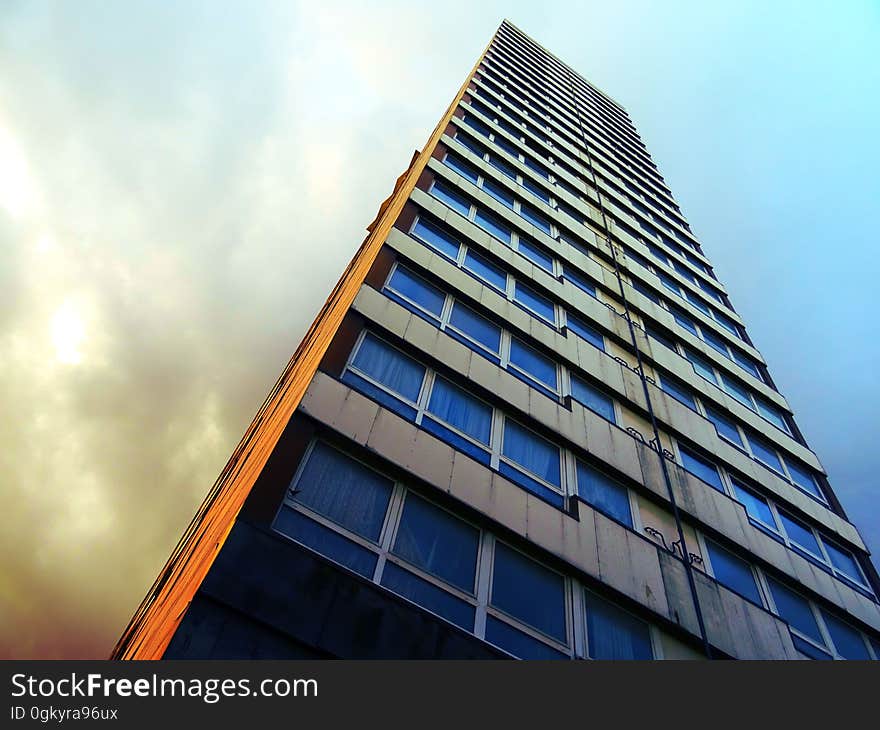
527	422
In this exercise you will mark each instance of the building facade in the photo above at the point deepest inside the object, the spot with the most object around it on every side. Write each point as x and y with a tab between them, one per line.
527	423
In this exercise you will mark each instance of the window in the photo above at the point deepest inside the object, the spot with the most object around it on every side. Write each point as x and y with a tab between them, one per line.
416	290
765	453
678	391
453	199
684	321
389	367
803	478
846	639
756	506
534	254
584	331
476	328
532	453
800	534
613	633
529	592
724	426
343	490
702	367
603	493
538	304
772	414
733	572
432	539
534	364
737	391
795	610
462	168
461	410
579	280
592	398
436	237
843	561
500	165
536	190
499	193
471	144
715	342
701	468
535	218
485	270
493	226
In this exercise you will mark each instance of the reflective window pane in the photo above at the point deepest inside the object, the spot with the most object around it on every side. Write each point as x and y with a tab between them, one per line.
535	454
426	594
847	640
438	543
603	493
702	468
389	366
733	572
476	327
436	237
531	361
417	290
485	270
794	609
461	410
452	198
528	591
535	302
615	634
592	398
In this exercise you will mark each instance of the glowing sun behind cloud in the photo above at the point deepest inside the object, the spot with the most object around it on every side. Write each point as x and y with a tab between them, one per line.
68	333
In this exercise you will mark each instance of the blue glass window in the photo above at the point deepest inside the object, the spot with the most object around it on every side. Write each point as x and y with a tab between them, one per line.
715	342
326	541
436	237
772	414
529	592
461	410
702	367
344	490
462	168
534	254
472	145
647	292
417	290
453	199
502	166
794	609
492	225
529	360
756	506
508	147
737	391
702	468
698	303
670	284
615	634
517	642
684	321
579	281
733	572
584	331
390	367
476	124
536	190
501	194
603	493
727	323
476	327
746	363
534	217
799	533
766	453
847	640
536	166
535	302
485	270
725	427
533	453
803	478
426	594
843	560
592	398
679	392
432	539
660	337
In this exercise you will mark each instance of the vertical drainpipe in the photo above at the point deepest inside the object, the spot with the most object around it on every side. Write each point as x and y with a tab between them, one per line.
707	649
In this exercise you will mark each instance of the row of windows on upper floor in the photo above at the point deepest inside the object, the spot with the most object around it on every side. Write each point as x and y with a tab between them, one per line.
817	632
487	434
538	255
452	246
610	138
572	100
543	194
549	377
546	64
579	122
541	222
384	531
575	169
575	135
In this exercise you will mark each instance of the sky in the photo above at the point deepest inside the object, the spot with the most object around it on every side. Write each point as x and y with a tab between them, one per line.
181	184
